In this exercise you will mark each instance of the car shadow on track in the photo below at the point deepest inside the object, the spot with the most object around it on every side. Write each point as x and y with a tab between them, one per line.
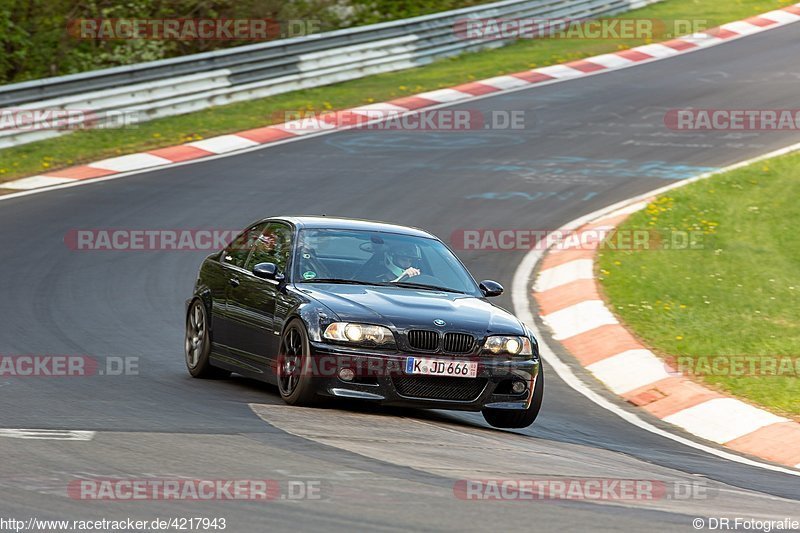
466	419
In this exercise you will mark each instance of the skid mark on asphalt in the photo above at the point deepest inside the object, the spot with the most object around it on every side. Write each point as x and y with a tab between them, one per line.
459	451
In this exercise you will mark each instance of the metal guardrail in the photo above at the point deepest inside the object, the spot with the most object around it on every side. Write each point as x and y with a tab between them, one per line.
190	83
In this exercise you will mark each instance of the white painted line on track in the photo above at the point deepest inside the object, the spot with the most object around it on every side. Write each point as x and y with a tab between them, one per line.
741	27
444	95
629	370
722	419
779	15
702	39
124	163
504	82
560	72
579	318
47	434
382	107
224	143
611	60
657	50
34	182
563	274
305	126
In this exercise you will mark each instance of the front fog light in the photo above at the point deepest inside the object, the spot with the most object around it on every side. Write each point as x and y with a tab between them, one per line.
347	374
518	387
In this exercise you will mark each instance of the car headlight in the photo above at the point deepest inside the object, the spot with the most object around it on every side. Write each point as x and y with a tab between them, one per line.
505	344
359	334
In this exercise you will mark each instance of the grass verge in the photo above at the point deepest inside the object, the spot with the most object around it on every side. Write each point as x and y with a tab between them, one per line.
91	145
738	295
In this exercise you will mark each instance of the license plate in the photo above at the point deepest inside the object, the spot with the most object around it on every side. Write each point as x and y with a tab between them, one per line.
441	367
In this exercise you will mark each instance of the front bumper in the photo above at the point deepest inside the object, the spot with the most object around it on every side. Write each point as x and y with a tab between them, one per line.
382	378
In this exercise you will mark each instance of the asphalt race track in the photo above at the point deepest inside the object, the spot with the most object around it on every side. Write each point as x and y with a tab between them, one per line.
589	143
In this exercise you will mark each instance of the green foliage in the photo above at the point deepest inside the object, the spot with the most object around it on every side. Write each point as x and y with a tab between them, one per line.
35	41
374	11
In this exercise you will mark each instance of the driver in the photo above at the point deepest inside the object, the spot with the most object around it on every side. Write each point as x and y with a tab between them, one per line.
399	261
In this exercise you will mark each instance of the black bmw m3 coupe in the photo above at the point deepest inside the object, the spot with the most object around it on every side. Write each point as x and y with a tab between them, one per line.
328	307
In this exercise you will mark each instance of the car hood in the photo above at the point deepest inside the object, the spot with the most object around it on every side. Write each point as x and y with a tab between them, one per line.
407	308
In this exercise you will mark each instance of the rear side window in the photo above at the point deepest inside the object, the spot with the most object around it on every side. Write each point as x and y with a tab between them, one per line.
236	253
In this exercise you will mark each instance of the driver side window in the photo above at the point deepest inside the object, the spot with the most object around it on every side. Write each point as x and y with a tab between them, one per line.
236	253
274	245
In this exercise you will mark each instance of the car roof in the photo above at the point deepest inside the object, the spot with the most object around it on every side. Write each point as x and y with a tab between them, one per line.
325	222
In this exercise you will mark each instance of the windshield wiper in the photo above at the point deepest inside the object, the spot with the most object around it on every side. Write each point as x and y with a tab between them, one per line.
412	285
343	281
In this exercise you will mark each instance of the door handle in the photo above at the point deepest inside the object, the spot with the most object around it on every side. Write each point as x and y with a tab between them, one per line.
234	282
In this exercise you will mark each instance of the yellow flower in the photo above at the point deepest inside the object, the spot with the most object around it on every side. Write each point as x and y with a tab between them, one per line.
679	337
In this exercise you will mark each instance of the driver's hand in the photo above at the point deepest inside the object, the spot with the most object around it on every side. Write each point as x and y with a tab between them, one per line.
410	272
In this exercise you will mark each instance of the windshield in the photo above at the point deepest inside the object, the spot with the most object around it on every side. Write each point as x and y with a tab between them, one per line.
378	258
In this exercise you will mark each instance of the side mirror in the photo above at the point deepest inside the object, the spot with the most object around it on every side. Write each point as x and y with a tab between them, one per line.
267	271
490	288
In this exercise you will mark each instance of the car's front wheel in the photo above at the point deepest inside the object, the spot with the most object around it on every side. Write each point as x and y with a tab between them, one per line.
295	380
197	344
518	418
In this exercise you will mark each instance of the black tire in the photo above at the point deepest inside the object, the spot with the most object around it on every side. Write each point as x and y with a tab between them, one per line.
197	344
295	382
512	418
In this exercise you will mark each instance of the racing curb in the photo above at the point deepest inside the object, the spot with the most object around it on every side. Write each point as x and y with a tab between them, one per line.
569	300
349	118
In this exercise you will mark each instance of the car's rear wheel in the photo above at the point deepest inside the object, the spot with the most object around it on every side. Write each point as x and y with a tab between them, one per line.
197	344
518	418
295	381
